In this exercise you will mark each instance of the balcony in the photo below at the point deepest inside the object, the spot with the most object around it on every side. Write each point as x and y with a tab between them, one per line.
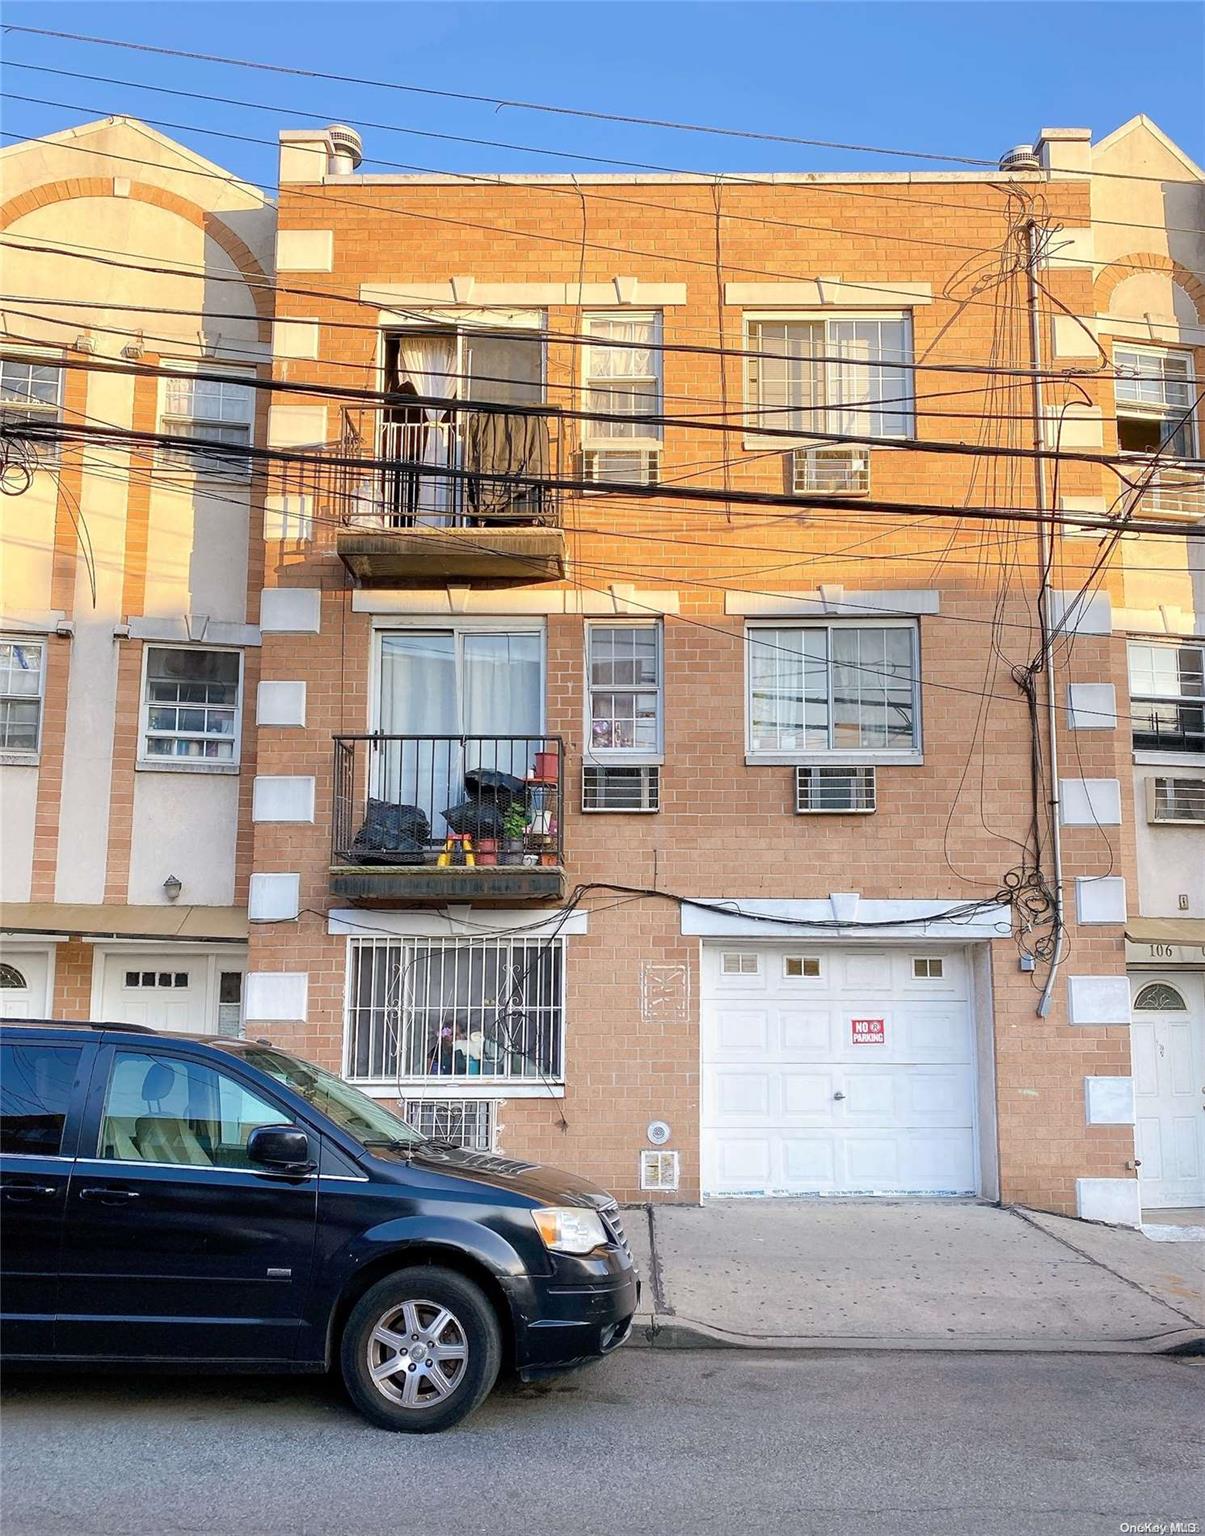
448	818
468	496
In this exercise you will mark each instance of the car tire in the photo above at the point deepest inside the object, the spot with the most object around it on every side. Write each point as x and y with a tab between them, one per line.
421	1350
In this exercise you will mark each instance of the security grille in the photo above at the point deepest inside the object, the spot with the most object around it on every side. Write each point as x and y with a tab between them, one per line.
615	466
620	789
830	472
1176	800
468	1123
659	1170
466	1010
831	791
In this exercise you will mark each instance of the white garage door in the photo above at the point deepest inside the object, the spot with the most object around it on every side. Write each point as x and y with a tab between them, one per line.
190	991
836	1071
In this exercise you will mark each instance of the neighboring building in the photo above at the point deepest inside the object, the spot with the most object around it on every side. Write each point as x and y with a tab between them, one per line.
753	923
128	639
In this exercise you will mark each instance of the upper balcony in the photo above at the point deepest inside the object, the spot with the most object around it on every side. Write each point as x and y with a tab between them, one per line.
462	495
448	818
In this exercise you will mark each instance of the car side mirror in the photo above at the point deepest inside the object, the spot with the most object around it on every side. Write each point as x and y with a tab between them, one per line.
282	1148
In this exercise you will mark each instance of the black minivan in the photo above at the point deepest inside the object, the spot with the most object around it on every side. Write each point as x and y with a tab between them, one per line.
220	1204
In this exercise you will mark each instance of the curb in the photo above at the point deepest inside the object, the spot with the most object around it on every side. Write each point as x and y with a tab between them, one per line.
650	1332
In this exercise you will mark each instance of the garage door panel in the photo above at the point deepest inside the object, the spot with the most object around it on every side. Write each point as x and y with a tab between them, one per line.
808	1097
806	1033
865	972
937	1098
936	1033
742	1095
741	1165
743	1031
940	1164
870	1096
808	1162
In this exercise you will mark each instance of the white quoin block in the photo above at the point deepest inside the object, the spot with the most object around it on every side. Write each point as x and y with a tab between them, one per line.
274	898
1109	1100
1098	1000
276	995
290	611
280	798
1100	899
1114	1201
280	703
1092	706
1086	614
1090	802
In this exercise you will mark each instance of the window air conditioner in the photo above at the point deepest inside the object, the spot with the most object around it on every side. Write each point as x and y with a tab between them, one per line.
832	791
621	466
838	471
1175	494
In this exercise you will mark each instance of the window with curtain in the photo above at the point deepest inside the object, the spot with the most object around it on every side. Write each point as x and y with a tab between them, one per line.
848	374
31	394
623	378
1155	391
22	670
190	709
203	413
833	688
624	666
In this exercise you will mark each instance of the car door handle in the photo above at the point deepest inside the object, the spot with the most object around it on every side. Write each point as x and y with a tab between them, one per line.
13	1190
109	1196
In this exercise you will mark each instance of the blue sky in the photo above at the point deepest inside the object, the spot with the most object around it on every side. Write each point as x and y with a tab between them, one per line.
958	78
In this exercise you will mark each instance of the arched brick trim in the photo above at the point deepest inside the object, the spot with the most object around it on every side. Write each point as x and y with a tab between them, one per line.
1150	261
159	197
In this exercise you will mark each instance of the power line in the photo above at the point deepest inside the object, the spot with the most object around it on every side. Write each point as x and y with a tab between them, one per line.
499	102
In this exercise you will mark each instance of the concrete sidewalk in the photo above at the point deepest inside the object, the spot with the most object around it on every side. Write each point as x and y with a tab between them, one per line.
914	1275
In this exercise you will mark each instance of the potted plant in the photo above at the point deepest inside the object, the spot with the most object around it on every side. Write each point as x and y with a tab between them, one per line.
514	824
487	850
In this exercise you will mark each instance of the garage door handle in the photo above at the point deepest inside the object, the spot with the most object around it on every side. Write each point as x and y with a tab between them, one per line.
109	1196
838	1095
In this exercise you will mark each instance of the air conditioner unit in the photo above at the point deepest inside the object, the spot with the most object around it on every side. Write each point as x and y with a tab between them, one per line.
468	1123
608	787
621	466
659	1170
1176	800
834	791
1176	494
838	471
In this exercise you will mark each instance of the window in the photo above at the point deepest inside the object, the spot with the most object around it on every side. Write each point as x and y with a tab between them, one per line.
35	1095
927	967
734	963
832	375
1158	997
455	1009
208	411
1176	800
469	1123
836	688
798	967
1167	696
624	379
22	670
191	705
30	394
160	1109
1155	393
623	663
162	979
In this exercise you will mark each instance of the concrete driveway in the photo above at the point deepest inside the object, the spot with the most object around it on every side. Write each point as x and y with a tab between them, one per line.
910	1275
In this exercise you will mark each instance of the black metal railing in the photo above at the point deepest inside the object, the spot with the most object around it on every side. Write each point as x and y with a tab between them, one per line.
449	801
462	468
1168	726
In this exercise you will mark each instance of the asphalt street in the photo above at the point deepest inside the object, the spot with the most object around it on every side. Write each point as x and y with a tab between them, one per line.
689	1442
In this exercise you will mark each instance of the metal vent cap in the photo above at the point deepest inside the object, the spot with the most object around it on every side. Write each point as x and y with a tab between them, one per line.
1020	157
346	145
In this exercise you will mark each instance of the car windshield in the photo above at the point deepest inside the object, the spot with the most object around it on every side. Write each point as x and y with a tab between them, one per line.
351	1110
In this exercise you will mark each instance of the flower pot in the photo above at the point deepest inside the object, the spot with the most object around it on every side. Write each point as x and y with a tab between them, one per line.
512	850
547	767
487	850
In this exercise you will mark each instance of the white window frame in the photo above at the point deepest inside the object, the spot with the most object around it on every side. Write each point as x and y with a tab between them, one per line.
1139	697
755	757
460	326
458	628
1137	410
804	961
594	438
448	1085
19	755
190	764
194	462
624	757
752	406
46	455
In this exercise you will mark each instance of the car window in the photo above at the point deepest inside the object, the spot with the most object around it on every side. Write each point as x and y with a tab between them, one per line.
36	1079
165	1109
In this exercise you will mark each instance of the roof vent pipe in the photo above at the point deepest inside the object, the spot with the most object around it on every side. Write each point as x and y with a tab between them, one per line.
346	150
1020	158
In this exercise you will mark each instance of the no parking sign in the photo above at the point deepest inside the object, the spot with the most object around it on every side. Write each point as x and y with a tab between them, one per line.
868	1031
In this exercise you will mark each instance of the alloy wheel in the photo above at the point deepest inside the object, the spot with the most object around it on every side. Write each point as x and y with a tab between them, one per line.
417	1354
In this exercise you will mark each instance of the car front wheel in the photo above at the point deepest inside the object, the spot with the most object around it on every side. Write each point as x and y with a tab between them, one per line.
421	1350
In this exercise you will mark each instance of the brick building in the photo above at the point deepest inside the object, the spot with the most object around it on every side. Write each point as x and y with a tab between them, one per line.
743	757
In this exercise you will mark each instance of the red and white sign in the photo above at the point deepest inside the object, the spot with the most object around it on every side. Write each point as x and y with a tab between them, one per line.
868	1031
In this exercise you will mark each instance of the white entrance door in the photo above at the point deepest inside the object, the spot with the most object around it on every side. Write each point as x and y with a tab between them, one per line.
1168	1043
192	992
836	1071
24	983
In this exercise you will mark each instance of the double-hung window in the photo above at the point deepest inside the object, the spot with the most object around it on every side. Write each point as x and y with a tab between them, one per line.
1167	696
623	378
624	705
210	419
31	395
190	705
848	374
833	690
22	684
1155	392
464	1012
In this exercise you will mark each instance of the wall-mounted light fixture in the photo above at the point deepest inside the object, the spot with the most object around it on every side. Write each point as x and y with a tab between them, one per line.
172	888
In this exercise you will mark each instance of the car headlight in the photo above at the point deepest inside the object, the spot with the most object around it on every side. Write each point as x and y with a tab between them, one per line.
569	1229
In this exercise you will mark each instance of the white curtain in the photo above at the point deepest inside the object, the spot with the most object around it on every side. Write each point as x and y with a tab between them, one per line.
501	695
428	363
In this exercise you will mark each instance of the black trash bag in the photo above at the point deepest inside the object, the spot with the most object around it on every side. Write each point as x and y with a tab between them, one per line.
393	834
477	818
490	784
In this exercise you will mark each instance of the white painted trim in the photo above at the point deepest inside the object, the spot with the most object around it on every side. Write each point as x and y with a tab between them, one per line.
455	602
797	919
214	633
833	602
458	1088
829	292
29	622
477	922
43	947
